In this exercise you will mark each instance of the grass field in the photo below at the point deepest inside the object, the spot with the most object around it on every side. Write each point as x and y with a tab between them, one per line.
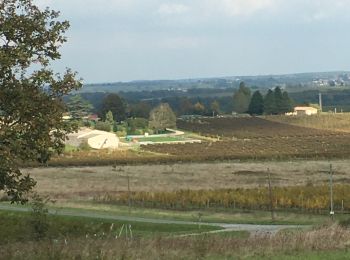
329	242
17	227
161	139
66	183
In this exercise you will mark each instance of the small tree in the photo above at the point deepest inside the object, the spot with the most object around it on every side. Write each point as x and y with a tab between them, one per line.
215	107
38	218
110	120
199	108
162	117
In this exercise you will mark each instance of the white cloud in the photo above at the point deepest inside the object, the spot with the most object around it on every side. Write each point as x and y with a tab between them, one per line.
170	9
240	7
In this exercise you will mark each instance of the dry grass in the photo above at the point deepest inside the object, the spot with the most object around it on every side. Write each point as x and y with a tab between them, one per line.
86	182
334	122
208	247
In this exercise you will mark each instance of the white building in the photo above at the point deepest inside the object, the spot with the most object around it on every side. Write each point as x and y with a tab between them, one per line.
305	111
96	139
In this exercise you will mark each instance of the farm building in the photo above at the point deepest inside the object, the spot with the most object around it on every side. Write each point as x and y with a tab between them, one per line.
95	139
308	111
303	111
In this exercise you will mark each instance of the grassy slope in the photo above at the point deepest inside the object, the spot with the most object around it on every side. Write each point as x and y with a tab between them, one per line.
210	216
17	227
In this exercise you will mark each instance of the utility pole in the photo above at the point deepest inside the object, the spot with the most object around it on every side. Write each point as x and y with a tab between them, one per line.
331	191
270	195
320	101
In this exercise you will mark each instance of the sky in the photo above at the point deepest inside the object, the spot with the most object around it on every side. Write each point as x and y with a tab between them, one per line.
125	40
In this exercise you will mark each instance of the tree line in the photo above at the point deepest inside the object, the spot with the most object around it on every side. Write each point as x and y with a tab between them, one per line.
275	101
243	101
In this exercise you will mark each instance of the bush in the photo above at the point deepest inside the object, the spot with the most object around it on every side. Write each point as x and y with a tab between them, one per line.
84	146
103	126
38	220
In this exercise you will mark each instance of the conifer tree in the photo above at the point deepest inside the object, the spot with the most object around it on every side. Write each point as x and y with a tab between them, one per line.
256	106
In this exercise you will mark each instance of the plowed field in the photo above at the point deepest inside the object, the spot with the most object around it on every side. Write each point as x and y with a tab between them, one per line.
256	138
250	127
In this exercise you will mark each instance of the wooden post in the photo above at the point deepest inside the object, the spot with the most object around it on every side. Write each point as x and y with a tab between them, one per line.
270	195
129	197
331	191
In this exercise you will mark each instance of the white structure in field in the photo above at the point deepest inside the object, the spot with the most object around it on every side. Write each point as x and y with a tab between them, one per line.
95	138
303	111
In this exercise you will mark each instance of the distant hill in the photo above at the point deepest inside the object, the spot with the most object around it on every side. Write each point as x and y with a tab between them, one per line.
290	81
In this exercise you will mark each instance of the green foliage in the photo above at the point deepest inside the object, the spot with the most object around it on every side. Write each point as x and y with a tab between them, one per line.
277	103
84	146
140	110
241	99
137	125
287	103
78	107
269	103
103	126
256	106
31	93
38	217
162	117
199	108
115	104
215	107
110	120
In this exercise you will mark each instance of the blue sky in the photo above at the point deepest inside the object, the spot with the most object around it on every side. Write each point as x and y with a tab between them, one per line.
123	40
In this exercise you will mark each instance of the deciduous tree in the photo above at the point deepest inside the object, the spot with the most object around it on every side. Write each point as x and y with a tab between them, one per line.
162	117
31	124
241	99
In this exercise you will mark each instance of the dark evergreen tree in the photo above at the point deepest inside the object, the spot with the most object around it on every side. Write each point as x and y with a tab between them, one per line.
79	107
269	103
256	106
278	101
287	103
115	104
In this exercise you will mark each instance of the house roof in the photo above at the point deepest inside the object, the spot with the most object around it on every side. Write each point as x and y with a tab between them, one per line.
305	108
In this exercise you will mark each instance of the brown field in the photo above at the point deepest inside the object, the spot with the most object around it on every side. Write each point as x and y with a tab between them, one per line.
256	138
84	183
247	127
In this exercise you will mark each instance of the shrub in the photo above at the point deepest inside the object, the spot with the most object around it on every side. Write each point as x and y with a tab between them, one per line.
84	146
103	126
38	220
